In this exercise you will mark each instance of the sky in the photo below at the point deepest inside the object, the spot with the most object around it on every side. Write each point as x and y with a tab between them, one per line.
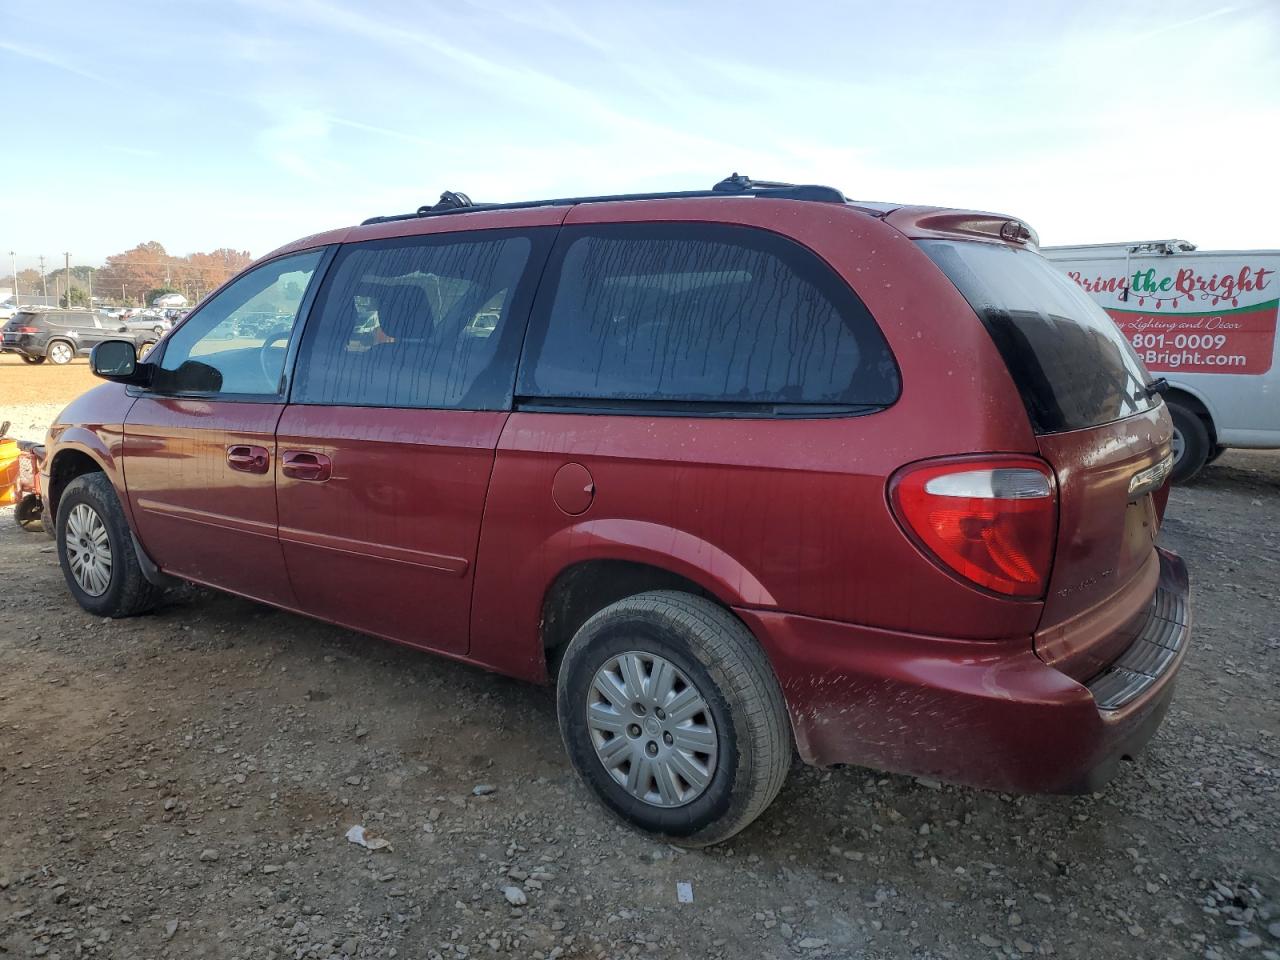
249	124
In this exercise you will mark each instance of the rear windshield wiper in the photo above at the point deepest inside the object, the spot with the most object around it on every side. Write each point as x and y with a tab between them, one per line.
1158	385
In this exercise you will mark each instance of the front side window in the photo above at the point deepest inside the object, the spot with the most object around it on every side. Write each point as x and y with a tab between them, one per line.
236	342
703	317
426	322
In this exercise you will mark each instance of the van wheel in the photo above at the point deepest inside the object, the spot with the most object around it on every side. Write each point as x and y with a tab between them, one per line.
96	551
60	352
672	715
1190	443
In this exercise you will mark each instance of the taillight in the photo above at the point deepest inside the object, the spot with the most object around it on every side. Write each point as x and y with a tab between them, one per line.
992	520
25	330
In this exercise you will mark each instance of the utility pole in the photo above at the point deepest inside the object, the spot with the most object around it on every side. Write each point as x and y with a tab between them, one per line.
44	281
17	301
91	288
66	274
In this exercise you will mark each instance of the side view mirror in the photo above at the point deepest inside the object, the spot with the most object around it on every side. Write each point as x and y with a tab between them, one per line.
118	360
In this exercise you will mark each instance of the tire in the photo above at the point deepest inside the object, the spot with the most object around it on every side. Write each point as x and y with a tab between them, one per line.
144	348
60	352
741	713
30	359
124	590
1216	453
26	513
1190	442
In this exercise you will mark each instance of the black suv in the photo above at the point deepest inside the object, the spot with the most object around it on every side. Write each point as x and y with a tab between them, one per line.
60	335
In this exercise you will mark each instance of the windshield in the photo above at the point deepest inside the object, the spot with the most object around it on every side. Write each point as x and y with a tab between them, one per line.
1072	366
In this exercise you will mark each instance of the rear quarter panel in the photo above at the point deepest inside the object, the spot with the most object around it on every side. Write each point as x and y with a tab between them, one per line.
768	514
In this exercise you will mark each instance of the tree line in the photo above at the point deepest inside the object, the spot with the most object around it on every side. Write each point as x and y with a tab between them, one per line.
135	277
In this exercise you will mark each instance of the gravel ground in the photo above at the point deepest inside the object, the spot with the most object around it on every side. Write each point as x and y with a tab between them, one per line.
180	786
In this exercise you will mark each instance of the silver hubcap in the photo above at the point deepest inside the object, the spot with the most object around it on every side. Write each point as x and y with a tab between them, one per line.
652	729
88	550
1177	444
60	352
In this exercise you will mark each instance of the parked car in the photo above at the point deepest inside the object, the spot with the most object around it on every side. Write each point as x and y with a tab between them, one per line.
157	325
1206	321
745	472
61	335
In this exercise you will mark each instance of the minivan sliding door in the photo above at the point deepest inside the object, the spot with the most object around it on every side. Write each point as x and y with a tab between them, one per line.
403	383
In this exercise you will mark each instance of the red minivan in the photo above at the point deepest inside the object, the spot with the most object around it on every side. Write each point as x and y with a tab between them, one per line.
745	472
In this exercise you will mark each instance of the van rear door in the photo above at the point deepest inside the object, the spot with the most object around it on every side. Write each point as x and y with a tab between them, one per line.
1098	424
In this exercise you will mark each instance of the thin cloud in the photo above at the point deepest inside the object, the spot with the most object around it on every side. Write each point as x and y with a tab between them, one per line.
1182	24
49	59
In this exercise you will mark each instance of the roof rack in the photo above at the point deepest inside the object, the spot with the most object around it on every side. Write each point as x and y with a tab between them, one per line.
735	185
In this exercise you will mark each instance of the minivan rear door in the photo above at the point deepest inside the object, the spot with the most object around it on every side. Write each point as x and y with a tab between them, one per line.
1098	424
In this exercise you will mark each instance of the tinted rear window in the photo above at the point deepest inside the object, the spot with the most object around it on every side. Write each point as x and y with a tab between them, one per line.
702	316
1071	364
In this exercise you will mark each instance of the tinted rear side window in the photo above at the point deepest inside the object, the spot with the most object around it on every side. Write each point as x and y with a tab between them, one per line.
693	313
1070	363
428	322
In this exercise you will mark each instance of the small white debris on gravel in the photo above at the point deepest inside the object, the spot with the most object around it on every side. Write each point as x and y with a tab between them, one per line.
515	896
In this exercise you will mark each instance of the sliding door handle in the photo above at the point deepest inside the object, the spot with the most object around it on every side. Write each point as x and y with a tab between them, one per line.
306	465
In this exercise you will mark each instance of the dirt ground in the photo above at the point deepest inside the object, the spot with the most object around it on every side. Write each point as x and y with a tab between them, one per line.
31	395
179	786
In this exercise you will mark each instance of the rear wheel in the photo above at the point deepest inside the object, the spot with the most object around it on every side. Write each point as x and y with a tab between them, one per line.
29	359
1191	447
61	352
96	551
672	715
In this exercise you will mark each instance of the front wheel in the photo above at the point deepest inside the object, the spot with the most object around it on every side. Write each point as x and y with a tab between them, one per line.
61	352
673	717
95	550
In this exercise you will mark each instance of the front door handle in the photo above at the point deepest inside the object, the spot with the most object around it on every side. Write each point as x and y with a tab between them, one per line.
306	465
250	459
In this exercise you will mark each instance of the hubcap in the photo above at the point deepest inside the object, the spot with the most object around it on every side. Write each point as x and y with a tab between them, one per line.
1177	444
652	729
88	550
61	353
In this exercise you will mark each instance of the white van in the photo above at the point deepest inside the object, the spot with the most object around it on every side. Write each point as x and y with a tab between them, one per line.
1203	320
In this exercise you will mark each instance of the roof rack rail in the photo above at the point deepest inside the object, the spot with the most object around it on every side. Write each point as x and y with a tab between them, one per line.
735	185
448	201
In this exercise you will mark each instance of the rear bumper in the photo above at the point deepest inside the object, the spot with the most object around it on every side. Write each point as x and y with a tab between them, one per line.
24	344
986	713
